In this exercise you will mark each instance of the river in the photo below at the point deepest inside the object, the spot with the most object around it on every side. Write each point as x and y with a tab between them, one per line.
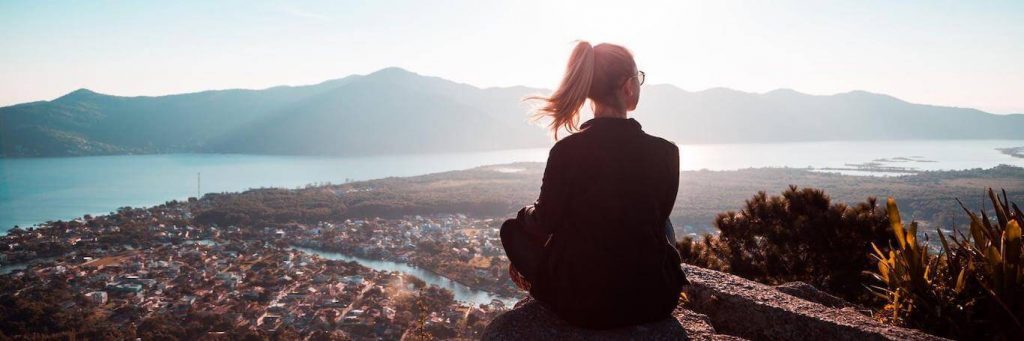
462	293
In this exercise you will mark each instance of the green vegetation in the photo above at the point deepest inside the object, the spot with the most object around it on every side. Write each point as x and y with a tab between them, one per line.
973	289
38	308
1013	151
477	192
962	286
266	206
798	236
486	191
928	197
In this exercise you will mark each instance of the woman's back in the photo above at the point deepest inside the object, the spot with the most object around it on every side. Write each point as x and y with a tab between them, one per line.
609	262
593	247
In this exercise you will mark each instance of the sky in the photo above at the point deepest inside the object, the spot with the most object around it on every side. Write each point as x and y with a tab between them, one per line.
964	54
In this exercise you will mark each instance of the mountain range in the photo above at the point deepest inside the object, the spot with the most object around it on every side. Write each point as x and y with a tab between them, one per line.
395	111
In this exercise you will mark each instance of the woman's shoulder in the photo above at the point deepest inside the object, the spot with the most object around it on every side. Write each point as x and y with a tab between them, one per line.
567	142
579	140
662	143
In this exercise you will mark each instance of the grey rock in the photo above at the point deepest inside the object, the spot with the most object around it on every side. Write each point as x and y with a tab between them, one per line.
719	306
531	321
745	308
698	326
810	293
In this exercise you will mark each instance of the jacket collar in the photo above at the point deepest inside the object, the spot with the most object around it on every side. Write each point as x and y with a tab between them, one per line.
611	122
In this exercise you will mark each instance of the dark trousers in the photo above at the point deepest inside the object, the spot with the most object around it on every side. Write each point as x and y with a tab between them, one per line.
524	252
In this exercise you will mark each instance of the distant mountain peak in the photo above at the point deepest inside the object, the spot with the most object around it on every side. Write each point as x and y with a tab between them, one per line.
82	91
858	93
666	87
78	95
396	76
723	91
783	92
861	94
392	71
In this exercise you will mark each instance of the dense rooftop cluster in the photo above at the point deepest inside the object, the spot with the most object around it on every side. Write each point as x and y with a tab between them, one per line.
150	272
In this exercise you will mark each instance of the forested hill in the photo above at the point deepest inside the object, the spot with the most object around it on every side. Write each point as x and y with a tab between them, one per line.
397	111
500	190
389	111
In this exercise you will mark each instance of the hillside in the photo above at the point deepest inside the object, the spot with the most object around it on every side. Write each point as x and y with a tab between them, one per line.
396	111
500	190
728	116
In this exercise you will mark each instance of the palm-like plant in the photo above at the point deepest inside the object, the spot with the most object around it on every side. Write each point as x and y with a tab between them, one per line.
975	287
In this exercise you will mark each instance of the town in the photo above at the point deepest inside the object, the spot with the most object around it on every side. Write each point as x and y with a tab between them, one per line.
152	273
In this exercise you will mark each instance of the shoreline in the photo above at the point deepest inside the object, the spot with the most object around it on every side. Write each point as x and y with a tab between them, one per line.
501	149
882	172
1017	152
857	172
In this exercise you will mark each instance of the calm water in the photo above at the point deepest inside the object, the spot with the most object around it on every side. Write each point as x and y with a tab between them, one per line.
36	190
462	292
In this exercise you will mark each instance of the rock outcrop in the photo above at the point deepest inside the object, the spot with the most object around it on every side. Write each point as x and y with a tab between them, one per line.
529	320
719	306
745	308
810	293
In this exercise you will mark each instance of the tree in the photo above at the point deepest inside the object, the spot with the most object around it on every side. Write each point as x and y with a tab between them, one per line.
798	236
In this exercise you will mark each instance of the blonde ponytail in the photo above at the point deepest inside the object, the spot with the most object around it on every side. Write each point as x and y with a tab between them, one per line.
563	106
592	72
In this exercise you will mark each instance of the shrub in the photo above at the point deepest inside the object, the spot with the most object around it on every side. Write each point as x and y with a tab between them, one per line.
973	289
798	236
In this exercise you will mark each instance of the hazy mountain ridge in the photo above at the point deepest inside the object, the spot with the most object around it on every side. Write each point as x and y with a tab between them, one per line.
722	115
397	111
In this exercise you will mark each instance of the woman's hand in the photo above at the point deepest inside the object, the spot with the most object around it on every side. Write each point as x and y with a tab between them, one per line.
528	218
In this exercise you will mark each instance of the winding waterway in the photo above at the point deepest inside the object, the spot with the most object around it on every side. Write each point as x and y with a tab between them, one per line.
462	292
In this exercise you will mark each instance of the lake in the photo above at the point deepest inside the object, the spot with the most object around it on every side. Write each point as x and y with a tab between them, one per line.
39	189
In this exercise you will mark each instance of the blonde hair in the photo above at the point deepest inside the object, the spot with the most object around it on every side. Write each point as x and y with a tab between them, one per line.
593	72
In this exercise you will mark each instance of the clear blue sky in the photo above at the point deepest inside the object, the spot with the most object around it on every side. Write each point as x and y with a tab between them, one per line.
967	53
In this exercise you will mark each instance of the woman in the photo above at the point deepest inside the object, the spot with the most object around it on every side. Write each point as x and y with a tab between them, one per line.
593	247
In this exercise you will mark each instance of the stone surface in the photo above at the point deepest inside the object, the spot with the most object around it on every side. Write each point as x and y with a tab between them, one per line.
810	293
698	326
531	321
719	306
745	308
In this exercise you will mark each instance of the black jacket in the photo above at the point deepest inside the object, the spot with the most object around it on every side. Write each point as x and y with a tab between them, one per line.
606	195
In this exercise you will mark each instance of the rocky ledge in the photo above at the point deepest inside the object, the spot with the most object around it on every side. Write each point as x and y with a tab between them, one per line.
719	306
531	321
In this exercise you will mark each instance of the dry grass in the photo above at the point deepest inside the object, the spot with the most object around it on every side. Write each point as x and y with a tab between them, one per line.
110	260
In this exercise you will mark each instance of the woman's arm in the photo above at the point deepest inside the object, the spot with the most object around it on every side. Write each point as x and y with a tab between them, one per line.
671	183
547	213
